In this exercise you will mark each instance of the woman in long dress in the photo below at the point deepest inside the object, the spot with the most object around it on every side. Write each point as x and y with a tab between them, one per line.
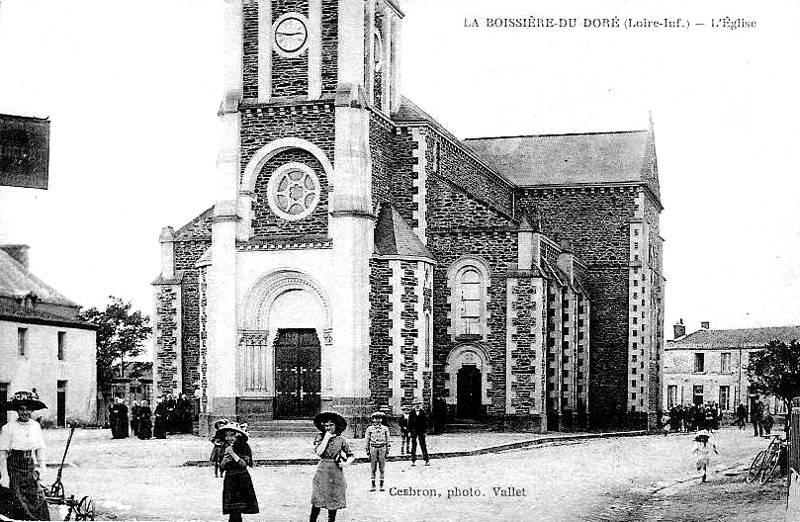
144	421
329	487
22	462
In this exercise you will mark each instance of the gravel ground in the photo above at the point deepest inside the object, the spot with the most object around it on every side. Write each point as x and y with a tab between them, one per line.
96	448
595	480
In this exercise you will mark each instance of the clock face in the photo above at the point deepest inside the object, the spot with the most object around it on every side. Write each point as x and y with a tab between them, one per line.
291	34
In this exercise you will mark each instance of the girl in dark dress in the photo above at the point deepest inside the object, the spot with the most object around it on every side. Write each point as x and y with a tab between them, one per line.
238	495
218	451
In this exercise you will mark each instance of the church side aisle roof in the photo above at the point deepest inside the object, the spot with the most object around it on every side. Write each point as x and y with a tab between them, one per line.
16	281
198	228
568	159
393	236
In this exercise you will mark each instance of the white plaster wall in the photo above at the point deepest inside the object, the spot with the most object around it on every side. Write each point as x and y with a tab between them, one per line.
41	369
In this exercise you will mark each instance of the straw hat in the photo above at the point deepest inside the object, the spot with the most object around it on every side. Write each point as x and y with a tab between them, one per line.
241	429
702	433
326	416
378	415
27	399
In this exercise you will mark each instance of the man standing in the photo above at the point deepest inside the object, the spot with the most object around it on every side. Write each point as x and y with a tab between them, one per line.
418	428
741	416
757	413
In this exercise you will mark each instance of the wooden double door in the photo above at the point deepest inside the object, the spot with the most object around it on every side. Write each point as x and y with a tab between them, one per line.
298	374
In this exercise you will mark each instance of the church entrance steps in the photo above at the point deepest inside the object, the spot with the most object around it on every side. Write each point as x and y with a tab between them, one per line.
466	425
283	428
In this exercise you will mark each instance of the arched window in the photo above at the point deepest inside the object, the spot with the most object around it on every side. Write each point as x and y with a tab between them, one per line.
469	285
469	307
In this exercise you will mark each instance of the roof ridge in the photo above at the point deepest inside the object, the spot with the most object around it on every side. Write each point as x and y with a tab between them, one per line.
592	133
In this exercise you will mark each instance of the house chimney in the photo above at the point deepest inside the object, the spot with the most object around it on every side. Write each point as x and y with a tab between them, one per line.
705	325
678	330
18	252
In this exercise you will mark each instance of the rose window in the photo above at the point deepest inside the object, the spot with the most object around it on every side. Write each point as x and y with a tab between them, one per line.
293	191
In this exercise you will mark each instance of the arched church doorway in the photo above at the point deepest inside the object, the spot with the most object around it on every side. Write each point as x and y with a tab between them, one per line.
298	368
468	405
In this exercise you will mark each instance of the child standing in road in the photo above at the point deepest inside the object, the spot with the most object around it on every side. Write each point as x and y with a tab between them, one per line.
703	448
238	494
377	443
219	448
405	438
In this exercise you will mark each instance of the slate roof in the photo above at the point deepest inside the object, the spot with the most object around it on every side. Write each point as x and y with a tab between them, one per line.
393	236
14	312
737	338
17	281
198	228
567	159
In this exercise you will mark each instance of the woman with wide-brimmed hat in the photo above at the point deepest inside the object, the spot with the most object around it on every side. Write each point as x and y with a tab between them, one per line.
22	462
329	487
238	494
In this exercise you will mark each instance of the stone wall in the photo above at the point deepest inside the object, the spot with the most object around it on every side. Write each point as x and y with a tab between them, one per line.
289	75
187	253
266	224
167	337
596	221
380	346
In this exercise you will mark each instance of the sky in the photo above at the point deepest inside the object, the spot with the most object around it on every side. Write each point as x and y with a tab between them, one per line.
132	89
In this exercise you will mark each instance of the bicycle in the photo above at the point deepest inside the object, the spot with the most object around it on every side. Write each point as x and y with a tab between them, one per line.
767	461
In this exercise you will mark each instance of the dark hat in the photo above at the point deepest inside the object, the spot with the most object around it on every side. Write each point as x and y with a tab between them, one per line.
241	429
27	399
326	416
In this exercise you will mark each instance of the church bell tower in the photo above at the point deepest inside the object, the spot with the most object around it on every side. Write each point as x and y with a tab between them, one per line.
294	196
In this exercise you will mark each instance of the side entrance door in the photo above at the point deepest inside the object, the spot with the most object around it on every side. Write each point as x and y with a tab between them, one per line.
469	393
298	367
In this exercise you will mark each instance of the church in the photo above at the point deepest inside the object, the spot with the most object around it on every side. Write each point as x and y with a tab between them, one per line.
359	256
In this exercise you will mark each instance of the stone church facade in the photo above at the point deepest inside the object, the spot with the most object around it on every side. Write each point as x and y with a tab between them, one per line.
360	256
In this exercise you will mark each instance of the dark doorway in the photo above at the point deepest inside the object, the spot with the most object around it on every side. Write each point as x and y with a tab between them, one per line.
469	393
298	365
61	404
3	403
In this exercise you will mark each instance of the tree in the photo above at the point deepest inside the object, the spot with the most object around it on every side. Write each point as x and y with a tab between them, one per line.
775	370
121	333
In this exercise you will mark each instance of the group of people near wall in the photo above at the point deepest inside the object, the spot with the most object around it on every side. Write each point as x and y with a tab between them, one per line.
170	416
232	456
693	417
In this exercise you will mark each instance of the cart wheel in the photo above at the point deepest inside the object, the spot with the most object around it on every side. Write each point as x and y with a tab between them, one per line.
57	490
85	509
